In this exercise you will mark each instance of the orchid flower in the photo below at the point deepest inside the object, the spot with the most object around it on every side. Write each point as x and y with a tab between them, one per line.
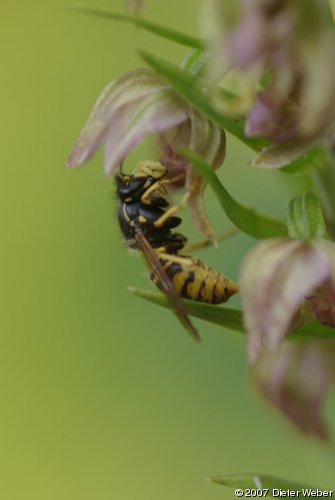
295	379
278	276
138	104
293	44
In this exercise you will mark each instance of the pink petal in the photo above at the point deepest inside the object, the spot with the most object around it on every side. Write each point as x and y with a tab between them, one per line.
121	93
295	379
248	41
153	114
202	136
264	115
209	142
275	278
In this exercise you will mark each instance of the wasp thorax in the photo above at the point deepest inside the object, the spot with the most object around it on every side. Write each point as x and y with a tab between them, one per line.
144	207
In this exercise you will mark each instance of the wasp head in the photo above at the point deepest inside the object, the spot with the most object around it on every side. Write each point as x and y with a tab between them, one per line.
150	170
131	187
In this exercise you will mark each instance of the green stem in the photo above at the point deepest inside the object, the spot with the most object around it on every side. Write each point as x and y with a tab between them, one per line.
324	179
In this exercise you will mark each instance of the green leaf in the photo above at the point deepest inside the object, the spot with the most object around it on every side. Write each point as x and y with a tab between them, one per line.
256	225
312	330
292	156
157	29
230	318
308	161
190	89
222	316
305	218
259	481
194	62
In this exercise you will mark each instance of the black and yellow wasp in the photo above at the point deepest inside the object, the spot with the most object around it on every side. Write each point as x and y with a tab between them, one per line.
146	220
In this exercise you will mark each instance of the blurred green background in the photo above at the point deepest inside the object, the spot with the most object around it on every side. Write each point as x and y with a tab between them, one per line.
104	396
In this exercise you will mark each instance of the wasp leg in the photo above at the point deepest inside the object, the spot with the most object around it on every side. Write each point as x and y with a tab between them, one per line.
145	198
175	208
208	243
172	210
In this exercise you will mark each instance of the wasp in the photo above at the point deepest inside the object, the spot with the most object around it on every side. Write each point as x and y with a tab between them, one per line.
147	222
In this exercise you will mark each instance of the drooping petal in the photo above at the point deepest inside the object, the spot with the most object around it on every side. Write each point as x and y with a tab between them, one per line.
209	141
248	41
317	96
202	136
273	115
152	115
124	89
295	379
275	278
168	144
116	116
264	115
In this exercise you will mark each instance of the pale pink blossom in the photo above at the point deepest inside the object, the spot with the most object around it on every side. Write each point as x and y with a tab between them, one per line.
295	378
293	43
284	284
277	275
140	104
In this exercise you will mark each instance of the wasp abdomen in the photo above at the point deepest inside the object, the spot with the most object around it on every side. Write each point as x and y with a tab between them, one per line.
195	280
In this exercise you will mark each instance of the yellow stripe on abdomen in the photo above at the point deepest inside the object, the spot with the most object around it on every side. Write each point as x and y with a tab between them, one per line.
195	280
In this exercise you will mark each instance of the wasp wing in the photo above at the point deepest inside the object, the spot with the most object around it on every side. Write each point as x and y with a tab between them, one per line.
167	287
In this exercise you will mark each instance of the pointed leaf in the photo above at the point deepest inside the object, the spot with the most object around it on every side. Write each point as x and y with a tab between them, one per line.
256	225
295	156
287	153
314	329
231	318
305	218
223	316
312	159
157	29
259	481
194	62
133	105
189	88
